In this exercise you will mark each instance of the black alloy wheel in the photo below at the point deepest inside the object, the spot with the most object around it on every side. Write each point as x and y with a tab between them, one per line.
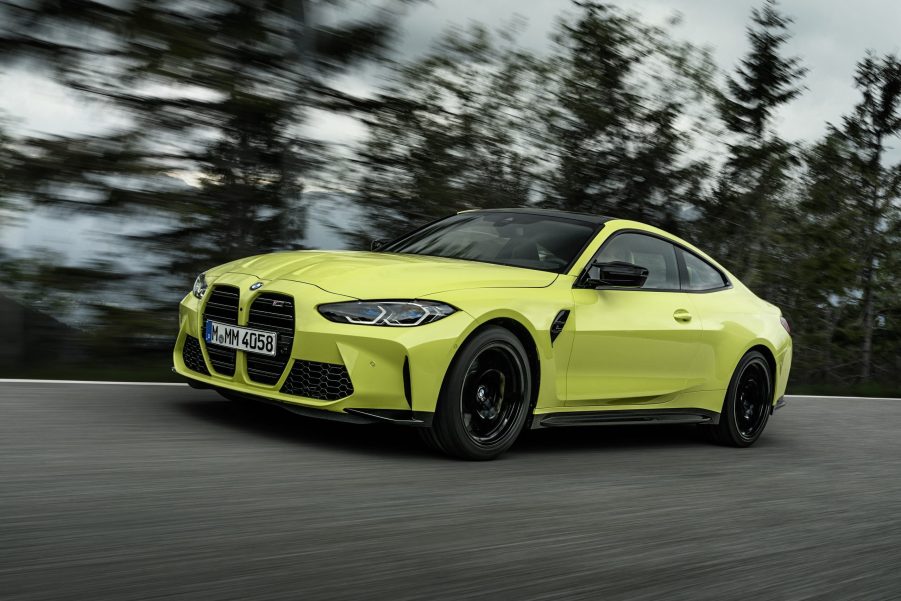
485	398
492	393
748	403
753	400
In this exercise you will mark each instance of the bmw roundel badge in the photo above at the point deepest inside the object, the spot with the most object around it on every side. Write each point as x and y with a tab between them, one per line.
256	286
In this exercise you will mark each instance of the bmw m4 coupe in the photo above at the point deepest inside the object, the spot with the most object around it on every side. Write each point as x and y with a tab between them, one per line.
488	322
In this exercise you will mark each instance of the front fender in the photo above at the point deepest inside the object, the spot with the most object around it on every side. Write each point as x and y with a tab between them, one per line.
534	309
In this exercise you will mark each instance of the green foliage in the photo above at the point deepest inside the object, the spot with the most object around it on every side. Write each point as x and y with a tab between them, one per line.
872	199
597	126
620	91
214	93
743	214
765	80
454	132
619	117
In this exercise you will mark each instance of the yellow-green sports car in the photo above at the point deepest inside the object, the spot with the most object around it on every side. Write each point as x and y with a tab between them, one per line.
479	325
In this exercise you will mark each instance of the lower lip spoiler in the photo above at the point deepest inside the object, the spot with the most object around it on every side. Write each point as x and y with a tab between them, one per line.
417	419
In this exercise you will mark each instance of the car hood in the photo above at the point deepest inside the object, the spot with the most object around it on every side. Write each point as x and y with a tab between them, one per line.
385	275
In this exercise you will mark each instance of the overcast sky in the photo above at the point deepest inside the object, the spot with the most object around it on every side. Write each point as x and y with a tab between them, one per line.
830	35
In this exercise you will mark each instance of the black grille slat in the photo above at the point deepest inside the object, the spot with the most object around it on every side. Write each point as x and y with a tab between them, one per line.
220	316
269	362
262	374
281	330
221	358
322	381
217	307
271	312
222	306
218	350
260	313
193	356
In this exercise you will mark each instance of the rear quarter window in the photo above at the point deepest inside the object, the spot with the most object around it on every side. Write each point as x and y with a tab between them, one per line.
701	274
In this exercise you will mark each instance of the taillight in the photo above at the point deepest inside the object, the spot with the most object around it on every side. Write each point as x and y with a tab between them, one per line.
785	325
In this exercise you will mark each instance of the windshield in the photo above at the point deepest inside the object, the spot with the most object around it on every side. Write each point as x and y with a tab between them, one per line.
533	241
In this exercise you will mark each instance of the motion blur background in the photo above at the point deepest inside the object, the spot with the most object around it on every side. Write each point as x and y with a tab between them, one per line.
142	142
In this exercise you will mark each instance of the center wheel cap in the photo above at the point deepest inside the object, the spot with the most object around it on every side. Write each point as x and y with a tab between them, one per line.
482	394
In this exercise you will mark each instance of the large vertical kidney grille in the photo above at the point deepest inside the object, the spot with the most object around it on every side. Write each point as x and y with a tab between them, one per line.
222	306
274	313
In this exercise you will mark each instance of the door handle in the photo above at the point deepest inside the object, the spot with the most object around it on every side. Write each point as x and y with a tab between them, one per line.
682	315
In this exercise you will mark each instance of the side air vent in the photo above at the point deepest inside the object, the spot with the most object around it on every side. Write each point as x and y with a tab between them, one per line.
222	306
408	387
273	313
558	324
193	357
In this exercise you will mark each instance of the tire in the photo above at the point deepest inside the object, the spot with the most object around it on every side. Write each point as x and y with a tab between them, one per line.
747	406
485	398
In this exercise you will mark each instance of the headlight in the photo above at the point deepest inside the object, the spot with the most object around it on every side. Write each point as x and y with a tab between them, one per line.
386	313
200	286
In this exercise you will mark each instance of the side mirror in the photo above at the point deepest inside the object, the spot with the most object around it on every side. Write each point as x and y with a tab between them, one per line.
619	274
377	244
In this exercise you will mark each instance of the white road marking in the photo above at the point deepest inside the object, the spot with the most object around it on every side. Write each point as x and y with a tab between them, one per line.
95	382
843	398
13	381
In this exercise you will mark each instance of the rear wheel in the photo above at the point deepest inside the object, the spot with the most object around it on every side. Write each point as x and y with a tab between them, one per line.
485	398
748	403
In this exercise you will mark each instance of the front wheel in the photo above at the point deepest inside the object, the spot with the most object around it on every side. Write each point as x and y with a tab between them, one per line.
747	405
485	398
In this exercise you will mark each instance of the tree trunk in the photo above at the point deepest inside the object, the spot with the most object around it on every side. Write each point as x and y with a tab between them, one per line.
866	349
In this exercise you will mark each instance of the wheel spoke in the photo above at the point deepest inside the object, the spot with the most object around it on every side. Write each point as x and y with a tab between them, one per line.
751	400
492	393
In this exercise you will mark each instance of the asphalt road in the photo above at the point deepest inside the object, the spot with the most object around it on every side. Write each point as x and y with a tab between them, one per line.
126	492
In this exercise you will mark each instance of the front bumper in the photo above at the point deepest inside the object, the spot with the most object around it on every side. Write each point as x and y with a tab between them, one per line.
401	417
396	373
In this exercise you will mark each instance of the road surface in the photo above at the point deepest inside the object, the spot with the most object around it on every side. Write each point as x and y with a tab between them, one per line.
163	492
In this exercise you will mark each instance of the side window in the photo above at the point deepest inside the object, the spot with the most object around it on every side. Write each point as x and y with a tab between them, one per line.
654	254
701	275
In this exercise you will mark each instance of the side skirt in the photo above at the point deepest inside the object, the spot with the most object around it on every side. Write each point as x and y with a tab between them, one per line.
625	418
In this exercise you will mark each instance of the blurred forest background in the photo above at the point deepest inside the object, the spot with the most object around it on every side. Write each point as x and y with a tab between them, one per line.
207	160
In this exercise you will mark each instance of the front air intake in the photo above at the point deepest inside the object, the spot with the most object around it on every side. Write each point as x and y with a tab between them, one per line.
192	356
322	381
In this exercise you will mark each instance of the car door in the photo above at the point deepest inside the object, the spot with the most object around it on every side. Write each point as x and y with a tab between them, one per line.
719	309
632	345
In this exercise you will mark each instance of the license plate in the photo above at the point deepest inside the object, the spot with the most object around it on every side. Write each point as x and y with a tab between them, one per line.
243	339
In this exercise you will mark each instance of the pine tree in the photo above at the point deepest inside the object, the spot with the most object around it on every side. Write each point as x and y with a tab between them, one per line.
816	288
746	204
456	131
211	92
845	237
876	200
765	80
621	89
